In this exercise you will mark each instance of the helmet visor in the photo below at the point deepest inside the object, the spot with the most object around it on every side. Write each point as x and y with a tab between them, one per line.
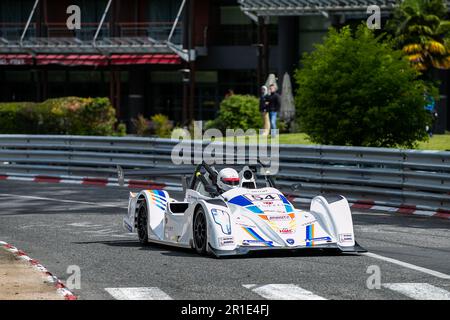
230	181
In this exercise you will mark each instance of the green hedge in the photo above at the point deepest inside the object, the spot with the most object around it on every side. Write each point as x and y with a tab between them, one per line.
238	112
69	115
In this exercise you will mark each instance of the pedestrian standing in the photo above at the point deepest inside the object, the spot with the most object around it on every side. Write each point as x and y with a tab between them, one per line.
431	109
274	108
264	109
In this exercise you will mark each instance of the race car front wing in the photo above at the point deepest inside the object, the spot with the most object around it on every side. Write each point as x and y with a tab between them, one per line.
245	250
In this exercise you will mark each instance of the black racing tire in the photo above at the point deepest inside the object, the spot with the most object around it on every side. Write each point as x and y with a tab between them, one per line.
200	232
142	223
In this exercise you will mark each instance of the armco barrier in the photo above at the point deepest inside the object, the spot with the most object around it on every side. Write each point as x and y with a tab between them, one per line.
390	176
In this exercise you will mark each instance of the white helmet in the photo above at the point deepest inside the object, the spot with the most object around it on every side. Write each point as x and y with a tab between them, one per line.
227	179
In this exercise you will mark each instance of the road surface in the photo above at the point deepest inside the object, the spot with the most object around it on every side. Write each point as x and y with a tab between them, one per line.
63	225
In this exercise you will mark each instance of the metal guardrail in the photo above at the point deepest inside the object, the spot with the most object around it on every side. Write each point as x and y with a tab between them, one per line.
389	176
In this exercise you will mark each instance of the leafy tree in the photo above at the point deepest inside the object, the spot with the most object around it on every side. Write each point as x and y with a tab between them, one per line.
238	112
423	33
354	89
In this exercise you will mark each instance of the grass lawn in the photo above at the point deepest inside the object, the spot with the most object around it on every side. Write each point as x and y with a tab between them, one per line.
437	142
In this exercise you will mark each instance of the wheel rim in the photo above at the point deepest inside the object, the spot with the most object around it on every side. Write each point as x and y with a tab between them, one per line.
142	220
200	231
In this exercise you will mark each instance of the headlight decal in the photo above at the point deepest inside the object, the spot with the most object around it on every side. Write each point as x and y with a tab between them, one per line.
222	218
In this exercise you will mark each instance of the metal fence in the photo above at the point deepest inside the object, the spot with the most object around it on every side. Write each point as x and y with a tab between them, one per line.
389	176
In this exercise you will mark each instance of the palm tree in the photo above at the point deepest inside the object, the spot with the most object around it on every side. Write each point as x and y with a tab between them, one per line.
423	33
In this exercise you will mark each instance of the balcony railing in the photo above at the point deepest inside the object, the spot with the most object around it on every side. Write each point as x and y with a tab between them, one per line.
158	31
13	31
120	38
87	31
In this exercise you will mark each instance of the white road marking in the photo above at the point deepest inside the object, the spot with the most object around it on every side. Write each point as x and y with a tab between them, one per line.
408	265
61	200
383	208
419	291
283	292
145	293
424	213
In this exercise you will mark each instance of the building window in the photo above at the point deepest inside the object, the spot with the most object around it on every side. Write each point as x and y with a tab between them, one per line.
162	14
232	15
13	17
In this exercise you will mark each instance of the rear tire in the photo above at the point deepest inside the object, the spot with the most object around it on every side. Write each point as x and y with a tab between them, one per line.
142	223
200	232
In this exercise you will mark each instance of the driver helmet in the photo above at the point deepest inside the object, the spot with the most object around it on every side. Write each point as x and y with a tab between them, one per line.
228	179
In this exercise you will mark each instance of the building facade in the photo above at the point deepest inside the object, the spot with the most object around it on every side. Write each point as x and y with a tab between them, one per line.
177	57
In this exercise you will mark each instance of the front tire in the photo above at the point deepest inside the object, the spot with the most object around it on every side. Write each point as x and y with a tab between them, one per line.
200	232
142	223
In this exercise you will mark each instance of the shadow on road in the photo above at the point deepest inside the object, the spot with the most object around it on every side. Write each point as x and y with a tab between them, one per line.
171	251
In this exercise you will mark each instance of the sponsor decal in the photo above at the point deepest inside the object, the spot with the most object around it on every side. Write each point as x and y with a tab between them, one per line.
253	242
290	241
308	223
274	210
322	239
283	217
345	237
285	231
226	241
263	190
262	197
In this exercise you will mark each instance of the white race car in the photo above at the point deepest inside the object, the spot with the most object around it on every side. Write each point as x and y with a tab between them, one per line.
240	220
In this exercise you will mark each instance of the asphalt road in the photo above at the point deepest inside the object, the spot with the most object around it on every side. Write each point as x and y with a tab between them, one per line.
62	225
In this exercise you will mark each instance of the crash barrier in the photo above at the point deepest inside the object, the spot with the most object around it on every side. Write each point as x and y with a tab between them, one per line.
391	177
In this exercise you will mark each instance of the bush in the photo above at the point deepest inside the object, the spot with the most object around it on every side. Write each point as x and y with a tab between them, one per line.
356	90
158	125
161	125
71	115
238	111
141	126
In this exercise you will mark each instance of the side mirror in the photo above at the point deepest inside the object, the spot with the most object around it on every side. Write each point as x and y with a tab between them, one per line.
296	186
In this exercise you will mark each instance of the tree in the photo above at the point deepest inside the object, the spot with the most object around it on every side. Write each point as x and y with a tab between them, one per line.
354	89
423	33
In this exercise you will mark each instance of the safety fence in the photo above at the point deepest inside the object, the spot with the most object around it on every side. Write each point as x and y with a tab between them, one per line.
392	177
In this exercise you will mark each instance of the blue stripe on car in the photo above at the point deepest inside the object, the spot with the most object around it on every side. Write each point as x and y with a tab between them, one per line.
284	199
240	201
258	237
254	209
288	208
